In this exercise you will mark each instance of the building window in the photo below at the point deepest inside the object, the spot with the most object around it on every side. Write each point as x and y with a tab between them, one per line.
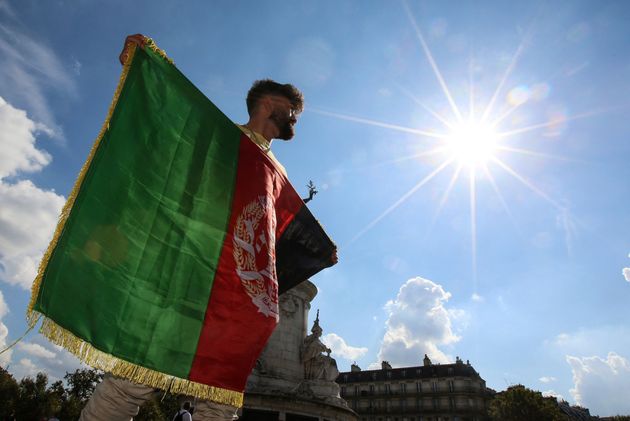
434	386
373	376
451	403
419	371
451	386
356	390
388	389
371	389
450	371
343	391
435	403
419	404
418	387
403	388
389	374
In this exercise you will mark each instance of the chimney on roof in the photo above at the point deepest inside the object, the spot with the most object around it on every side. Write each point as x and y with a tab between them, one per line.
354	367
385	365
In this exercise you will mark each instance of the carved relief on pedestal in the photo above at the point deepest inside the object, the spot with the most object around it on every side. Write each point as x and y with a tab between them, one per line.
289	305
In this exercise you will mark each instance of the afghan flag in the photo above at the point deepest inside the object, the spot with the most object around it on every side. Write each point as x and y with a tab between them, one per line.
177	238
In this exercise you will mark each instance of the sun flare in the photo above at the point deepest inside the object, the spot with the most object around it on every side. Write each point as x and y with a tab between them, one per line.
472	143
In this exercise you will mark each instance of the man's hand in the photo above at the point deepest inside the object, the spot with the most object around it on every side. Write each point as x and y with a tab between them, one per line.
137	39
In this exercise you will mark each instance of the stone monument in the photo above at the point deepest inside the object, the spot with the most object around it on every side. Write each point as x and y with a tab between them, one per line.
294	377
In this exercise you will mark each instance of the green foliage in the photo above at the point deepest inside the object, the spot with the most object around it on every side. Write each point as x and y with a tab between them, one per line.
33	399
519	403
161	407
10	394
81	383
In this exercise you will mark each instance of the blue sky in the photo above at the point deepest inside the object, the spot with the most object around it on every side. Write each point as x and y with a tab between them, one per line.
515	262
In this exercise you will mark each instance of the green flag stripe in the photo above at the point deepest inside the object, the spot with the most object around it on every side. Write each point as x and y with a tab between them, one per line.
144	235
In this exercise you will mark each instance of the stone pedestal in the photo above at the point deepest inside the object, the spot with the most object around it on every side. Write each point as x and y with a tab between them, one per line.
277	388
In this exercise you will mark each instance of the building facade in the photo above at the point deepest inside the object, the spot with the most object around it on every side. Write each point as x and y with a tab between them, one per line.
431	392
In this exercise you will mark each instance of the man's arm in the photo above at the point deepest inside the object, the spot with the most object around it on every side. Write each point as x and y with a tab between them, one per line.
137	39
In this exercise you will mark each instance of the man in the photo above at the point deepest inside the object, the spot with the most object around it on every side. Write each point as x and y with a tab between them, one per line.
273	109
184	413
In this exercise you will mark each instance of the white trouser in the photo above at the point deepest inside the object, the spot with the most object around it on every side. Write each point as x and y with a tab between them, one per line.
117	399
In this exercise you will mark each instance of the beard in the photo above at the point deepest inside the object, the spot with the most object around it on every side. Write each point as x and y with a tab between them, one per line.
284	123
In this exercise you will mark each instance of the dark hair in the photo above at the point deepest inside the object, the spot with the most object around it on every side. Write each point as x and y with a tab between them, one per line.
186	406
264	87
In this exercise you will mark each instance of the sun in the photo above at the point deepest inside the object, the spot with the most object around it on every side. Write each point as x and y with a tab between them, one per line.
471	143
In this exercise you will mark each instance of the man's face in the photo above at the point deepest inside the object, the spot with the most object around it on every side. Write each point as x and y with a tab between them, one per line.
283	116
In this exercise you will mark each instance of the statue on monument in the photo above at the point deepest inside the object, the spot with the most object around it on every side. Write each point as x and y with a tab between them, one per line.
317	366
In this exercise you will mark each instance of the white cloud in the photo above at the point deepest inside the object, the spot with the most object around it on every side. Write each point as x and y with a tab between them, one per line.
40	358
28	69
596	341
418	324
76	66
476	297
626	272
25	368
562	339
5	357
547	379
602	385
341	349
18	142
29	214
554	394
36	350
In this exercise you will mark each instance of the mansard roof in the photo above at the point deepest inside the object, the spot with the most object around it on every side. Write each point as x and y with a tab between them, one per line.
409	373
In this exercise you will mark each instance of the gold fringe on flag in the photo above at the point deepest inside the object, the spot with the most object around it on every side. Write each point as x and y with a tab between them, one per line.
77	346
151	44
137	374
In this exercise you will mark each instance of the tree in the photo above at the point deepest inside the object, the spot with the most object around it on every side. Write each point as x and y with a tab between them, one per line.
33	402
33	399
81	384
161	407
519	403
10	393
